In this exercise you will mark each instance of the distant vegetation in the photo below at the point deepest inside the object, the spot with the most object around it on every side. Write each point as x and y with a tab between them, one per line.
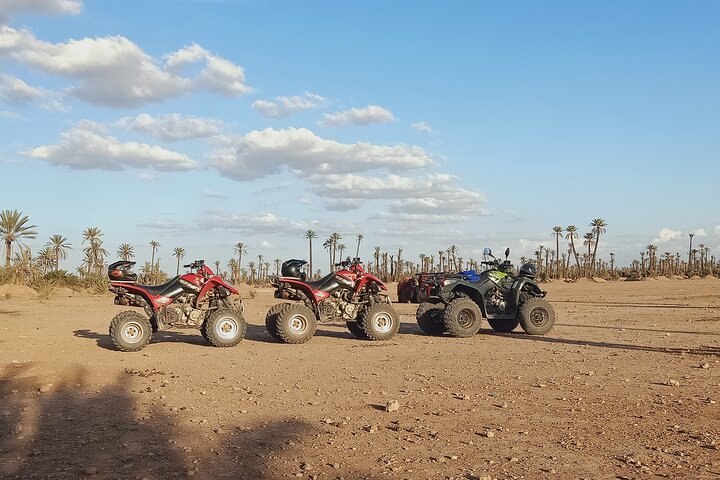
577	258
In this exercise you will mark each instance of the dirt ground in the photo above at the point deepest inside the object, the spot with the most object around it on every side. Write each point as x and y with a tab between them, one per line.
613	392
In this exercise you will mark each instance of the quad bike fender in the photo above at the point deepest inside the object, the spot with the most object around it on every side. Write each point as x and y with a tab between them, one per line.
463	288
215	282
369	278
298	284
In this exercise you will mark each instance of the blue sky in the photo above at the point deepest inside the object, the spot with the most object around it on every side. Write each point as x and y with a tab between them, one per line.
420	125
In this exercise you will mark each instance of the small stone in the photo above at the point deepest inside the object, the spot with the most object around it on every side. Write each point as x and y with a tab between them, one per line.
392	406
18	428
45	388
705	365
190	473
91	471
336	466
487	434
673	383
203	393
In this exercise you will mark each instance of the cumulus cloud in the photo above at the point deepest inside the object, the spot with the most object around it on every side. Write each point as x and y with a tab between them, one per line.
250	224
113	71
358	116
667	235
85	147
7	115
213	194
422	127
9	8
284	106
174	127
265	152
16	92
700	232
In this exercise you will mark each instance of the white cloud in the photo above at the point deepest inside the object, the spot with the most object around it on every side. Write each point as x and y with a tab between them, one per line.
266	244
212	194
358	116
16	92
174	127
284	106
700	232
9	8
250	224
667	235
717	231
84	147
115	72
265	152
6	115
163	225
422	127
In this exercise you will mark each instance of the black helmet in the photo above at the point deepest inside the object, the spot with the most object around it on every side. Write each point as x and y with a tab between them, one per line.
528	270
292	268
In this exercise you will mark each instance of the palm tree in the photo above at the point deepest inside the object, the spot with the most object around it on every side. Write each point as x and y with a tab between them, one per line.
572	235
234	271
154	246
13	228
691	235
376	255
341	248
217	267
125	252
328	245
310	234
588	242
360	236
94	252
557	233
277	266
598	225
178	252
45	259
59	246
335	238
240	249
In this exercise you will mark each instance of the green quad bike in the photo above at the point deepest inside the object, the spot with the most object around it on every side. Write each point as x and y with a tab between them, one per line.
504	298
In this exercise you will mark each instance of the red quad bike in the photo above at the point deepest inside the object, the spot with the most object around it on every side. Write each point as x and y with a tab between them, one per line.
199	298
350	293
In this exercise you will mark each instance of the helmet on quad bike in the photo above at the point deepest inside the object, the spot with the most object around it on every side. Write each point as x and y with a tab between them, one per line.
528	270
292	268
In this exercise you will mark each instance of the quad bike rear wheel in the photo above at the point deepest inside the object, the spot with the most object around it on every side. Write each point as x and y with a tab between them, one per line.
130	331
462	317
356	330
536	316
429	317
504	326
225	327
379	321
271	319
295	323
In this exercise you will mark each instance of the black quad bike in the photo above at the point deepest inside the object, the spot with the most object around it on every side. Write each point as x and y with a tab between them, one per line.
504	298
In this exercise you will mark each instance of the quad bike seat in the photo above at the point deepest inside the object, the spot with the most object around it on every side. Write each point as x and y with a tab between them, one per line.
326	283
159	289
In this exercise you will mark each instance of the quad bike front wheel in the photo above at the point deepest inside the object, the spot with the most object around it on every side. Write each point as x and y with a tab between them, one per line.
356	330
462	318
271	319
379	322
429	316
225	327
295	323
536	316
130	331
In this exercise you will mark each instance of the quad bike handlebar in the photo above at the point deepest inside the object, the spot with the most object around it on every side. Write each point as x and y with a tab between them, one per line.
195	265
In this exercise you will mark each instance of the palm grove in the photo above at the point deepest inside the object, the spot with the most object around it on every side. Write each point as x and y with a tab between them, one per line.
571	258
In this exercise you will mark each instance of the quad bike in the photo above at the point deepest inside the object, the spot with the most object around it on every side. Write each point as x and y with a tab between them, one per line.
350	293
506	299
199	298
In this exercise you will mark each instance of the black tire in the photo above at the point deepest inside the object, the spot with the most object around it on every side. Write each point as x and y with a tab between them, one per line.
356	330
379	321
225	327
130	331
504	326
295	323
429	317
536	316
462	318
271	319
406	294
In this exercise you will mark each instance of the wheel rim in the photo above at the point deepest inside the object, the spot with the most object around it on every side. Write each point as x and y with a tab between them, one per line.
298	324
226	328
538	316
132	332
383	322
466	318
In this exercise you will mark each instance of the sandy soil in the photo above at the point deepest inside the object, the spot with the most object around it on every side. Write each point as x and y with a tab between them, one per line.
613	392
